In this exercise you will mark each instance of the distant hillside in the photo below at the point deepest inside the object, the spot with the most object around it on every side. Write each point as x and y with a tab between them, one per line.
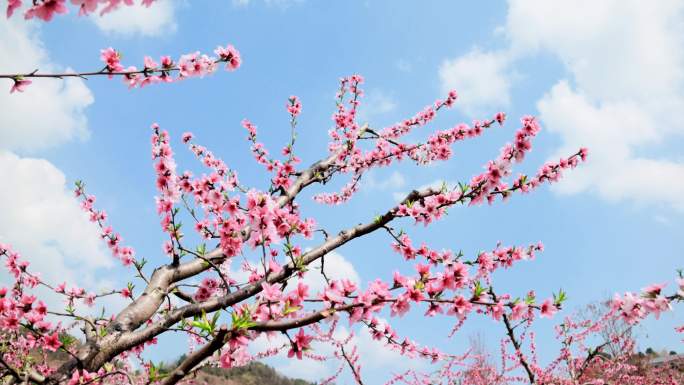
254	373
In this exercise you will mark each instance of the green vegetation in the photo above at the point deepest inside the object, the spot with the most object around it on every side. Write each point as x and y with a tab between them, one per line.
254	373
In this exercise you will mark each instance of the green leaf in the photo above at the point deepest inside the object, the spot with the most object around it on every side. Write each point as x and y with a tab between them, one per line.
152	372
140	264
560	298
290	309
478	290
463	187
66	340
243	320
204	324
299	264
202	249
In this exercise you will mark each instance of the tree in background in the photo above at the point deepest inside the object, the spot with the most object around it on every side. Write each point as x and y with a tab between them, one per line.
599	348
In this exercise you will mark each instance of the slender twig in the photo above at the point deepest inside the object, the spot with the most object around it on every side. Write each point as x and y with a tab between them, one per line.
357	375
515	342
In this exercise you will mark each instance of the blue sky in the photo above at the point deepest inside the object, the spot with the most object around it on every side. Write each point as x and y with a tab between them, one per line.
608	77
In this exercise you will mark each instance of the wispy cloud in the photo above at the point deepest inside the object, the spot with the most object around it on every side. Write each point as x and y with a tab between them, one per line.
624	82
40	217
482	79
156	20
375	104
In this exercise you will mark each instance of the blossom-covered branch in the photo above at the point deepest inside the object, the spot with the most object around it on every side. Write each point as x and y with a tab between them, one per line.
46	9
165	71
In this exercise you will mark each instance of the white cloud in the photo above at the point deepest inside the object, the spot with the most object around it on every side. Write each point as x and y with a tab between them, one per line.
50	111
40	217
42	220
266	341
336	267
614	49
156	20
628	70
612	131
375	103
481	79
395	180
623	86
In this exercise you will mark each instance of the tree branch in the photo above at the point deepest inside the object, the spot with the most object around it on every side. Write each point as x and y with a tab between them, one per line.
196	357
518	352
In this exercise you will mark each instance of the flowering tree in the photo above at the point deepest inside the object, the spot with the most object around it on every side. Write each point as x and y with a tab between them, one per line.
197	292
601	349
